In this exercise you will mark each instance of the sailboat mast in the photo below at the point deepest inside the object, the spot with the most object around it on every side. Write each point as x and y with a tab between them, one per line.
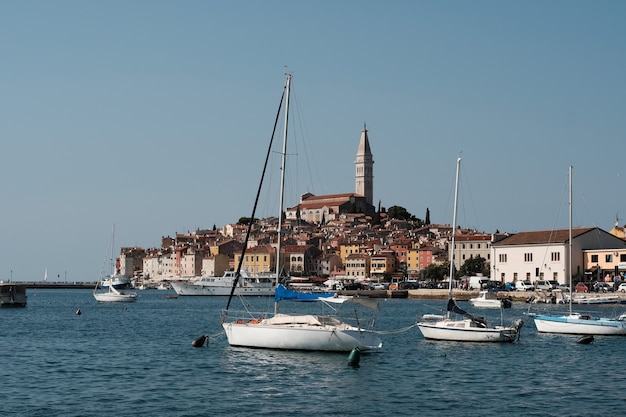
282	183
456	200
569	256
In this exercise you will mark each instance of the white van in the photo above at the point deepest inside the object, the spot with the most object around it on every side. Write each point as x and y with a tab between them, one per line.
524	286
477	283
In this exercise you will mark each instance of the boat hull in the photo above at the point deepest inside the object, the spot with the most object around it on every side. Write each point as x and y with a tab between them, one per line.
480	303
182	288
12	295
300	337
576	324
115	298
463	331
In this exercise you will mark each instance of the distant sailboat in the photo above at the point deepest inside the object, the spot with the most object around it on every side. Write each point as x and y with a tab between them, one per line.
45	274
112	294
576	323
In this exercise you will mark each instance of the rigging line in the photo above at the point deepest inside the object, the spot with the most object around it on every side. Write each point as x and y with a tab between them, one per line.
465	185
308	149
556	218
401	330
256	200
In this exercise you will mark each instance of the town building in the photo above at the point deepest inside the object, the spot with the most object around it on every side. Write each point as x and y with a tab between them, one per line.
545	254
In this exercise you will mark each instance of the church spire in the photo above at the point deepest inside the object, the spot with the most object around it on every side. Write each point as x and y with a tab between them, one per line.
364	168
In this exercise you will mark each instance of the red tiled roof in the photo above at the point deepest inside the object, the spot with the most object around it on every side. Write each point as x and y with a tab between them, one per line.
542	236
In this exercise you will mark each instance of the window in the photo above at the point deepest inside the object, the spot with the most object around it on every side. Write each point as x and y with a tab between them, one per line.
555	256
528	257
608	257
502	258
594	258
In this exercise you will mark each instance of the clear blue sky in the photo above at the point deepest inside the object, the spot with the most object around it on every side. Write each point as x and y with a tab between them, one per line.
155	115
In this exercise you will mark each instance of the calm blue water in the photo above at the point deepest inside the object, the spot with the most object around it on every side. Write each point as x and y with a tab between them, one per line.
112	361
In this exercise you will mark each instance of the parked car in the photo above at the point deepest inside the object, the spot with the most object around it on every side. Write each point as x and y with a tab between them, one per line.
580	287
563	287
544	285
603	287
524	286
509	286
622	287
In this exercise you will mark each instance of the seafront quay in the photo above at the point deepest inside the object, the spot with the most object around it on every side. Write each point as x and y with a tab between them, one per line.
464	295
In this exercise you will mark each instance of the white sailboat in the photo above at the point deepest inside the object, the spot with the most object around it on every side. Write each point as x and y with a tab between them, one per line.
111	294
471	328
576	323
295	332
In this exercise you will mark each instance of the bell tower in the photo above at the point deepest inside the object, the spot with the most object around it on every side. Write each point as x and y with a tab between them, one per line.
364	168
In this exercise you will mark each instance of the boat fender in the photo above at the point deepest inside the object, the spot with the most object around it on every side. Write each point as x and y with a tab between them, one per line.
354	357
199	342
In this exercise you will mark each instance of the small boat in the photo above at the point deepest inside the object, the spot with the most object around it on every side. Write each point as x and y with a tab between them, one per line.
112	294
470	328
489	299
597	299
12	295
120	282
576	323
246	285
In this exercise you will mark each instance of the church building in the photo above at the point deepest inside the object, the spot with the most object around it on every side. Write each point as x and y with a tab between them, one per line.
321	209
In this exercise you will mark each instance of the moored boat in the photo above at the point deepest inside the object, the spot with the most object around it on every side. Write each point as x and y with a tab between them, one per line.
576	323
12	295
207	285
489	299
470	328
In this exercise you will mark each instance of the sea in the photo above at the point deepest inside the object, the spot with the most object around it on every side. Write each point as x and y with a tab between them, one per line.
137	359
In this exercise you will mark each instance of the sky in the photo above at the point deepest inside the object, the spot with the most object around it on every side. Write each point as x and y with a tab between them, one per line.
154	116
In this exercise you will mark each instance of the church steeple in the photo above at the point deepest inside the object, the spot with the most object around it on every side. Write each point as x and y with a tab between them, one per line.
364	168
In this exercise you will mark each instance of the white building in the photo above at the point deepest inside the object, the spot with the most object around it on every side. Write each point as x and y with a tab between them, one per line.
545	254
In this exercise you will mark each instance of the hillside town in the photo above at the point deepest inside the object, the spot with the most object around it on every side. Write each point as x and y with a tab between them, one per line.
343	237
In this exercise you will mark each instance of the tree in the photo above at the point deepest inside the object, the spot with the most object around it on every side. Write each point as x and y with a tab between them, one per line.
436	272
427	220
246	221
398	212
475	266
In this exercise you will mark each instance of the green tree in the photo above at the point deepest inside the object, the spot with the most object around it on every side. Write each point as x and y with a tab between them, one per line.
398	212
475	266
436	272
246	220
427	219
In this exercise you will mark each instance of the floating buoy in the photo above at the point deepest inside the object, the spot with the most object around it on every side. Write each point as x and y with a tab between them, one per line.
78	312
354	357
585	340
199	342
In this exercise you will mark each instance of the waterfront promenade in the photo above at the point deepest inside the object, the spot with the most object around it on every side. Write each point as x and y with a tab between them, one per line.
56	284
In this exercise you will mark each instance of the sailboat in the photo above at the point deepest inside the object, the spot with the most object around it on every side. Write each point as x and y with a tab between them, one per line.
294	332
576	323
471	328
111	294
